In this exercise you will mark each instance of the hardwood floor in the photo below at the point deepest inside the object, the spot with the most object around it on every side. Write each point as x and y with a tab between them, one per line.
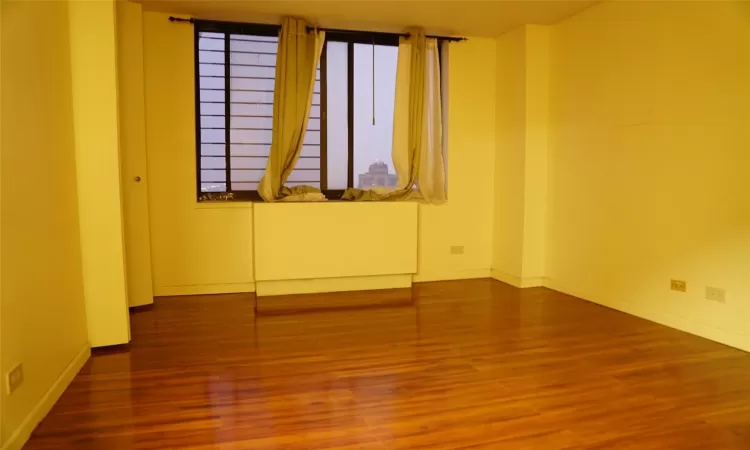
471	364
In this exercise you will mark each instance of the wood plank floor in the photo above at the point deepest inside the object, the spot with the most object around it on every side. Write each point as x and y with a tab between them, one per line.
472	364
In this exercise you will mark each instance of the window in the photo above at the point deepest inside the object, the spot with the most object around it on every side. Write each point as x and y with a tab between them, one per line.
235	112
349	135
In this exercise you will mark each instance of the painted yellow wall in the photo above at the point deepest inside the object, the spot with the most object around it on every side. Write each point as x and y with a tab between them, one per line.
535	171
95	115
338	239
43	317
521	156
510	126
195	248
466	219
649	162
209	248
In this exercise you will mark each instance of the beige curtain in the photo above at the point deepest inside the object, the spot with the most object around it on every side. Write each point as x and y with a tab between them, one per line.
296	63
417	126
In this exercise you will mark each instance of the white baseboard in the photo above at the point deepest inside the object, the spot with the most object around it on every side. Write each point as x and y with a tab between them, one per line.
18	438
316	285
203	289
706	331
465	274
517	281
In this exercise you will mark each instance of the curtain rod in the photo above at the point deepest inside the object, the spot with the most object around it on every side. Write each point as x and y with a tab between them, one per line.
336	30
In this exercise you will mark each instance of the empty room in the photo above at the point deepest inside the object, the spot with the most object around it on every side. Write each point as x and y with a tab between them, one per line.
374	224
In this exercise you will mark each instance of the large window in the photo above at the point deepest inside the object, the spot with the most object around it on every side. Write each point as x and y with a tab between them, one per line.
349	136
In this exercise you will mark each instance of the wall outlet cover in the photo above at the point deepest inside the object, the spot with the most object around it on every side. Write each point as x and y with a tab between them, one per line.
716	294
14	378
678	285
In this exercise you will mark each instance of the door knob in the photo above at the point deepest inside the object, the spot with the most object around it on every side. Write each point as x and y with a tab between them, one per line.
137	179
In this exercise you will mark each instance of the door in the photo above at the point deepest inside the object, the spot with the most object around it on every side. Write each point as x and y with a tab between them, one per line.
133	153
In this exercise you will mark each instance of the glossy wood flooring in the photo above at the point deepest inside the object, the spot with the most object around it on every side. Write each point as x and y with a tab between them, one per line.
472	364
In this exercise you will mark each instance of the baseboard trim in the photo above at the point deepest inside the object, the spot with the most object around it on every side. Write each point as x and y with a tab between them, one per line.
741	342
322	285
18	438
465	274
516	281
204	289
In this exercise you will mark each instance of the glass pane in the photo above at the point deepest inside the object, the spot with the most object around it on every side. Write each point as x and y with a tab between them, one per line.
373	127
212	82
213	187
249	162
213	175
250	150
211	56
239	123
213	163
337	124
247	175
212	136
214	70
212	149
213	96
250	136
212	121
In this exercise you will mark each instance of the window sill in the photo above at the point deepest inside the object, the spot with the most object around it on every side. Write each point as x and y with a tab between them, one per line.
223	204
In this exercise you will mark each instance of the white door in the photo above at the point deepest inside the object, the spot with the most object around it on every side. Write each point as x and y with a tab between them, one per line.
133	153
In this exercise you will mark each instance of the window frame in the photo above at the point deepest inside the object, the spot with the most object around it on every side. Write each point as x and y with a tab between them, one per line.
228	28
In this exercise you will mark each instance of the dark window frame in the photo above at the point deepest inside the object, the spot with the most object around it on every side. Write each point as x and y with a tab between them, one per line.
227	28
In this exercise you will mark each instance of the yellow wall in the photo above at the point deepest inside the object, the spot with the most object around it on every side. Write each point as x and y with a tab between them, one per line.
649	161
337	240
510	126
95	113
466	219
521	159
193	246
209	248
43	318
535	172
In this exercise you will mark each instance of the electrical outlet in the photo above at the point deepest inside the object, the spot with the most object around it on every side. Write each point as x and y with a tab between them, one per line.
457	250
716	294
679	286
14	378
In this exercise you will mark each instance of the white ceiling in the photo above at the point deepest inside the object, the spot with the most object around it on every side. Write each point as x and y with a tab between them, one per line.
457	18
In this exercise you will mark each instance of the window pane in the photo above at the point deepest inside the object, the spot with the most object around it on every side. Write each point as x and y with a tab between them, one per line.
211	56
250	110
251	73
246	175
307	173
373	164
215	70
251	84
213	175
212	82
212	163
212	149
213	187
211	110
212	121
250	150
337	111
249	162
239	123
